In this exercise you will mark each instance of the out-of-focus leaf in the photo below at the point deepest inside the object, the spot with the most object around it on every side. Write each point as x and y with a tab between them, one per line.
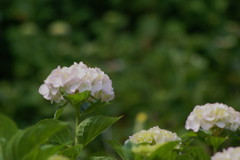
27	142
7	128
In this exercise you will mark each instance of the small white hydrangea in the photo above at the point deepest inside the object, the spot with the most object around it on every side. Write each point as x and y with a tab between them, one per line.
77	78
229	154
152	139
213	115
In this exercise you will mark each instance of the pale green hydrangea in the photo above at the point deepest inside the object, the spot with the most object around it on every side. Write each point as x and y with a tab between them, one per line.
146	141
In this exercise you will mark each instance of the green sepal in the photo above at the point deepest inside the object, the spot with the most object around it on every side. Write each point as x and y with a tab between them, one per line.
76	99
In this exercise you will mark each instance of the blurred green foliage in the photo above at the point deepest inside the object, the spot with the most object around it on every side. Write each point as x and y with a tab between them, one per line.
164	57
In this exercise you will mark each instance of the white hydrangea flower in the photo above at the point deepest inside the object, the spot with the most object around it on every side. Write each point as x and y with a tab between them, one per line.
152	139
228	154
77	78
213	115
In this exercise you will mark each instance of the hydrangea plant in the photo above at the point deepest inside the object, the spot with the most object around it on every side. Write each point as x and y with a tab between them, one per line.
86	90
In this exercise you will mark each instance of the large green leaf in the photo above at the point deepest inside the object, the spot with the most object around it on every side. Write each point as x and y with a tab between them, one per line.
122	152
26	143
93	126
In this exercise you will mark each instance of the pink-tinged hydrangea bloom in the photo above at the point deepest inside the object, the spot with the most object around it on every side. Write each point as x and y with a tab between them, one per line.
228	154
77	78
213	115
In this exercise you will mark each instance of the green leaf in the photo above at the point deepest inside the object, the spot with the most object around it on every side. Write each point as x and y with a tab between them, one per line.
189	135
77	98
44	152
72	152
91	127
59	111
26	143
165	151
215	141
1	153
63	136
7	129
197	153
93	107
184	157
119	149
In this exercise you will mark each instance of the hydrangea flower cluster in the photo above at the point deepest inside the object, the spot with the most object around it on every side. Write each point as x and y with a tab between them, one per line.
213	115
229	154
74	79
151	139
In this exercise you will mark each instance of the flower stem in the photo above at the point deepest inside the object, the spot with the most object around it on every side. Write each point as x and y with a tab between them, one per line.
76	127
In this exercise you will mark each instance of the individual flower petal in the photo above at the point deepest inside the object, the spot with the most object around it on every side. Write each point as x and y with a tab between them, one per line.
44	90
